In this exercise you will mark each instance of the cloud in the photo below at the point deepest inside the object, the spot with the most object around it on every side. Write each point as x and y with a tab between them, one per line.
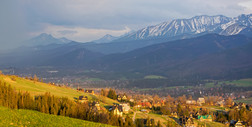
90	19
80	34
12	24
115	14
67	32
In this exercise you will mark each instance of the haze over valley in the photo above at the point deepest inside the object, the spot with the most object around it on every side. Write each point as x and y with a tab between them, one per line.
128	63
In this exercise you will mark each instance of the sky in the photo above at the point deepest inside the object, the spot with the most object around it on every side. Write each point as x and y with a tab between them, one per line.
87	20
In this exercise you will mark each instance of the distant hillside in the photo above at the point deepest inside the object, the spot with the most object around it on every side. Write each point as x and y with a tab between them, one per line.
185	57
105	39
45	39
21	117
72	53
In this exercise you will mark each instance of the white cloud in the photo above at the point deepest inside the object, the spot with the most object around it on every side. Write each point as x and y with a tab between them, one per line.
80	34
91	19
247	5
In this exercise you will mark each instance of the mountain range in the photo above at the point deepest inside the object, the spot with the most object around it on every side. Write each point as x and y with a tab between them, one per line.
45	39
203	24
200	47
175	30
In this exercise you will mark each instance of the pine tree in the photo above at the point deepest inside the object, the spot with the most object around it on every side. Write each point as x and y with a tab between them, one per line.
159	124
35	78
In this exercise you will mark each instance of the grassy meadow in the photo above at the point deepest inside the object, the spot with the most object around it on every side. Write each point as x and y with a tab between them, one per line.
29	118
38	88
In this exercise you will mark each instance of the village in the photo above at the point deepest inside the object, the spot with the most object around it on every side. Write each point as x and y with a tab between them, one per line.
168	111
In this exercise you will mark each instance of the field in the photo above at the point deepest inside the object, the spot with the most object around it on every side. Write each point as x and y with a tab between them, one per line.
154	77
245	100
239	83
210	124
156	117
28	118
38	88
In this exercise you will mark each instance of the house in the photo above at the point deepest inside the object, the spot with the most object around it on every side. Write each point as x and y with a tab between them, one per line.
125	107
187	122
138	105
174	114
96	105
117	110
201	100
158	104
80	89
238	123
132	100
89	91
122	97
146	104
205	118
145	111
221	103
83	99
190	102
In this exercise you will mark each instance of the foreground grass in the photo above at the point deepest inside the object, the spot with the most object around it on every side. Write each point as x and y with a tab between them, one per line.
38	88
210	124
9	117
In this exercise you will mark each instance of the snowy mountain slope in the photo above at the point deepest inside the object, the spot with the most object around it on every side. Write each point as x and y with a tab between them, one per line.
106	39
196	25
45	39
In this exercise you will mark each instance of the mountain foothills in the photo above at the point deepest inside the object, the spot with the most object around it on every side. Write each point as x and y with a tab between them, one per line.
45	39
202	46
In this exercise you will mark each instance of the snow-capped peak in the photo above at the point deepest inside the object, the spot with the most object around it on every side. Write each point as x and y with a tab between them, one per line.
193	26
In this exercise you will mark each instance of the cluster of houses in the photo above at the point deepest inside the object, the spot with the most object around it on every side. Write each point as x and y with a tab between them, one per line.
189	121
119	109
145	105
199	101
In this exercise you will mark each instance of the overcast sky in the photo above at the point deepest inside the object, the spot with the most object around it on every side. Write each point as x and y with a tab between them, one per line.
86	20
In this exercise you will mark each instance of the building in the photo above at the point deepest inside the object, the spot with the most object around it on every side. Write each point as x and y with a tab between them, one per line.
201	100
146	104
83	99
205	118
122	97
96	105
187	122
221	103
174	114
125	107
117	110
132	100
236	123
89	91
190	102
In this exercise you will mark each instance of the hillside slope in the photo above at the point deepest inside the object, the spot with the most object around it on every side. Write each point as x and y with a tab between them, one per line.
21	117
184	57
38	88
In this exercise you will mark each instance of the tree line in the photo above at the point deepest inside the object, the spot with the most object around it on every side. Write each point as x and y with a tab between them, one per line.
51	104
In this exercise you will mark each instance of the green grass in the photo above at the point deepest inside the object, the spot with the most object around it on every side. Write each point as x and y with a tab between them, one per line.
9	117
154	77
92	79
240	83
246	100
210	124
38	88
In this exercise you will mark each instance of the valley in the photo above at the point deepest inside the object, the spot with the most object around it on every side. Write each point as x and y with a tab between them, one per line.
191	72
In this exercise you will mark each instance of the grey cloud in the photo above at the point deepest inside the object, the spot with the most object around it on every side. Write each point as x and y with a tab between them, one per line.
66	32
